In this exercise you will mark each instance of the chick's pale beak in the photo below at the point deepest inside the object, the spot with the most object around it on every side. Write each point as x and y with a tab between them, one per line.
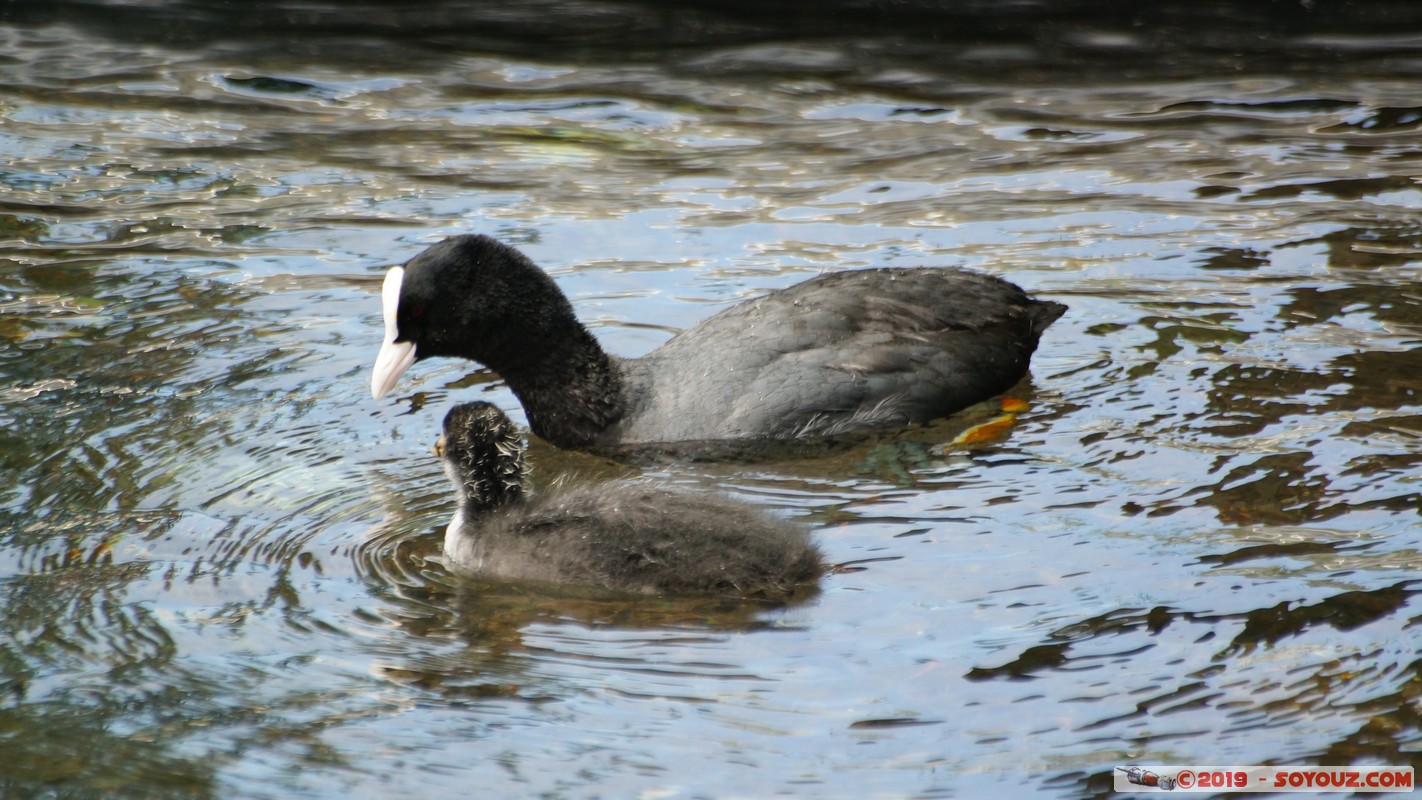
394	357
438	448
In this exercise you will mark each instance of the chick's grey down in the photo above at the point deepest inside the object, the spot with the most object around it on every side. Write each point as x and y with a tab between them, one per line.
840	352
623	536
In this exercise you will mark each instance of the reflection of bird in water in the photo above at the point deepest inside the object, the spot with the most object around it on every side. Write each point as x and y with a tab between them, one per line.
623	536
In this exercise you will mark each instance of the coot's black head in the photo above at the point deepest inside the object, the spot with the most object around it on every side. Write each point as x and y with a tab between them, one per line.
471	297
483	455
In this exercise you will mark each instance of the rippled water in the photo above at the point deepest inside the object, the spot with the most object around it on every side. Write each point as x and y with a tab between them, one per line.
218	563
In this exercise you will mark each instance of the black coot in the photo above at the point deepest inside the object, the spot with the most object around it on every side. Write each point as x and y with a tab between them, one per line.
627	536
844	351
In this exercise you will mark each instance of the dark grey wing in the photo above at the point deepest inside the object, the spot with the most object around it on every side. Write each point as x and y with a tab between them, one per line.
860	349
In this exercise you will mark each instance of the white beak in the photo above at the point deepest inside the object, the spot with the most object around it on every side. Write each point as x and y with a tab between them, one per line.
394	357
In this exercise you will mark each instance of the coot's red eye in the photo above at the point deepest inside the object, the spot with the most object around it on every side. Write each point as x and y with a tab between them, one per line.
417	312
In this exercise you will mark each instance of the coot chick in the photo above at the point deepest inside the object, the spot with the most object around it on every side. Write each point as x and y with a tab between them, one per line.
626	537
841	352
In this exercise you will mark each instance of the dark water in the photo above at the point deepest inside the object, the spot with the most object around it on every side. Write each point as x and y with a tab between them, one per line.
1200	543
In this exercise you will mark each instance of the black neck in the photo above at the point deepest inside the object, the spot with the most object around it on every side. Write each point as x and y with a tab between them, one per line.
572	393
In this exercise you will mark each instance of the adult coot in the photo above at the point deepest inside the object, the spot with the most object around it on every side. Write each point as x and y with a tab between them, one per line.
629	537
844	351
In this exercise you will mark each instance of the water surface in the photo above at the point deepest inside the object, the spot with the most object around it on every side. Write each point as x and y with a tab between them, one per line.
218	564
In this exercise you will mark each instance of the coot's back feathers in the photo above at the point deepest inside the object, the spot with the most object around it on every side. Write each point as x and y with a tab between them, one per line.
843	351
